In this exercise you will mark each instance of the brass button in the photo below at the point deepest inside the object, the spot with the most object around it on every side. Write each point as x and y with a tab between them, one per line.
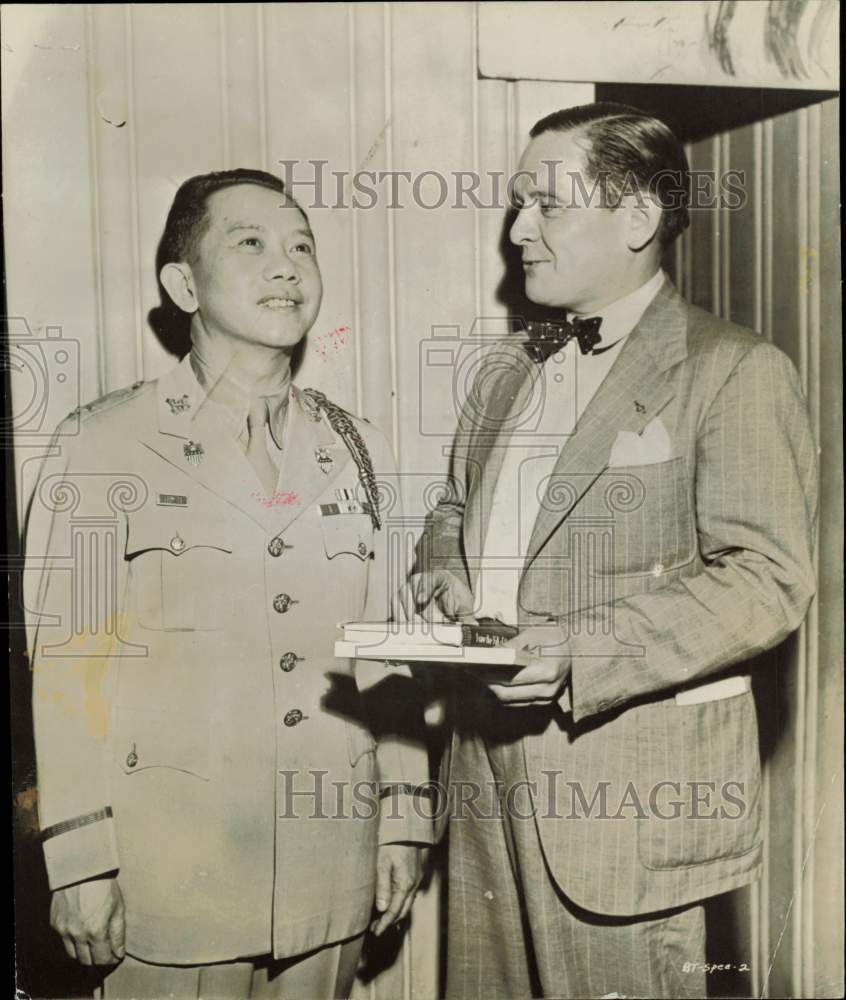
282	602
276	547
177	543
288	661
132	757
362	549
293	718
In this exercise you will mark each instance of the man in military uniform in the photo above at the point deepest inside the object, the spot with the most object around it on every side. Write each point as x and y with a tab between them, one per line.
201	754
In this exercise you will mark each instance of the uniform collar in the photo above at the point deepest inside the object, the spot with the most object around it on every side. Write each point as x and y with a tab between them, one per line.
229	394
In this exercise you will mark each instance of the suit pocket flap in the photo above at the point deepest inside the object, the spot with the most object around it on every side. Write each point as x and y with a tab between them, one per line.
175	532
146	739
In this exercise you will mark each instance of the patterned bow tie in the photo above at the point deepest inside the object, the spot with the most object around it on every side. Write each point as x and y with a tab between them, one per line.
547	338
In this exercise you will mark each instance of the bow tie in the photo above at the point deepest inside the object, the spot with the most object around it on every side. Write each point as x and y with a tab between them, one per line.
547	338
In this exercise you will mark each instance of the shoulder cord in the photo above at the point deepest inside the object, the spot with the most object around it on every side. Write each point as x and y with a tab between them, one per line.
341	422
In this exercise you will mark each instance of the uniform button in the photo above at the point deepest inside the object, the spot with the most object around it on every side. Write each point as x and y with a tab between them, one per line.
288	661
282	602
293	717
362	549
132	757
177	543
276	547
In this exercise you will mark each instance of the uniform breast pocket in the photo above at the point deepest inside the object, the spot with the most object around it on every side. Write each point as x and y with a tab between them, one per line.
642	519
179	571
347	535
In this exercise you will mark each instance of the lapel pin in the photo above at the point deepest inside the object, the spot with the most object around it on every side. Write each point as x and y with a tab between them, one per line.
640	407
180	405
324	460
194	452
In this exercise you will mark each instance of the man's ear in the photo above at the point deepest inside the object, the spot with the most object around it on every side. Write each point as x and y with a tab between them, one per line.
178	282
644	214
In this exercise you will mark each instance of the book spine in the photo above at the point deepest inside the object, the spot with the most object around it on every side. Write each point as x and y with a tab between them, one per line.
487	635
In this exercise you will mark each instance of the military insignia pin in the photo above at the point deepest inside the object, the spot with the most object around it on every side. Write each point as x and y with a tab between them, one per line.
194	452
324	460
180	405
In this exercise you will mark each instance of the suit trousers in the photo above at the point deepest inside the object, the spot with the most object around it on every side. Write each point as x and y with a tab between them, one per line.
325	974
512	931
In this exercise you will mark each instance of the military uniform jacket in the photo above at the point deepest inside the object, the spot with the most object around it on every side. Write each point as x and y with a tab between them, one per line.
667	576
194	732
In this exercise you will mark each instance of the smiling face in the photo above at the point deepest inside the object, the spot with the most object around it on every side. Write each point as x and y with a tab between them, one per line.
254	277
576	252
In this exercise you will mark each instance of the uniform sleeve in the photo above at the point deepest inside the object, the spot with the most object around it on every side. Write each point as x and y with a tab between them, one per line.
395	705
70	664
756	502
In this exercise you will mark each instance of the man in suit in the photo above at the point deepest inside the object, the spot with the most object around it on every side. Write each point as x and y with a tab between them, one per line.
649	533
219	805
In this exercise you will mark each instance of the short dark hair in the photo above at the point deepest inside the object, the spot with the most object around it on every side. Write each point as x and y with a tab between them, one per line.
187	219
626	145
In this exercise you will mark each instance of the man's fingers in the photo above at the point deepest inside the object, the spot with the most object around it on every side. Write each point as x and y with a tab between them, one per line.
101	952
83	952
117	932
392	912
70	946
535	672
534	694
383	886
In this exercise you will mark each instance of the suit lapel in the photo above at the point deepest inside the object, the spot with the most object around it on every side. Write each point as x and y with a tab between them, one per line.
635	391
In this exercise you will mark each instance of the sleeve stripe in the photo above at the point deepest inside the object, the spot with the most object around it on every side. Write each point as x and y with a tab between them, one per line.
74	824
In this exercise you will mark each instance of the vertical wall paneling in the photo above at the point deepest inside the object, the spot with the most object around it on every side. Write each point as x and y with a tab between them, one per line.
388	63
355	260
134	235
773	264
94	187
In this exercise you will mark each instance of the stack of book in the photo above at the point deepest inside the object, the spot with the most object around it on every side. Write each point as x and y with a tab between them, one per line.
479	643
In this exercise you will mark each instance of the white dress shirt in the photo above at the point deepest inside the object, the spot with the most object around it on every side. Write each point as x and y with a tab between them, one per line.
562	389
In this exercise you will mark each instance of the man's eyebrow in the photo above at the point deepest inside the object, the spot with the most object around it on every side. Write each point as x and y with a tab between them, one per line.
244	225
303	232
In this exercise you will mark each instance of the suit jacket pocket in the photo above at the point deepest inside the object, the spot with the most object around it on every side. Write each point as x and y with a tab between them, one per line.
643	517
146	739
699	770
179	568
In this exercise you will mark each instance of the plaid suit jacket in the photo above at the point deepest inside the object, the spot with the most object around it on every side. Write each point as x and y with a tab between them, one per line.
667	577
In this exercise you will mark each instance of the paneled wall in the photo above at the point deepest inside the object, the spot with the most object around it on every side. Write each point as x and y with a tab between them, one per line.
774	265
107	108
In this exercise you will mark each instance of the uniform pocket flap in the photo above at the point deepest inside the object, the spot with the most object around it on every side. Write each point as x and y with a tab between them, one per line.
175	533
147	738
347	533
359	741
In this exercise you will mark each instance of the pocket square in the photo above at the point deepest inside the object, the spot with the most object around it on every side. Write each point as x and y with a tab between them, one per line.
649	447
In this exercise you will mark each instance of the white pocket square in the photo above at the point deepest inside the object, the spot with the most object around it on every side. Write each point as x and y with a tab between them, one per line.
649	447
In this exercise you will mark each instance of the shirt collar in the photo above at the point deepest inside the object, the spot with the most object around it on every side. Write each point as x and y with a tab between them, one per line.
620	317
230	393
